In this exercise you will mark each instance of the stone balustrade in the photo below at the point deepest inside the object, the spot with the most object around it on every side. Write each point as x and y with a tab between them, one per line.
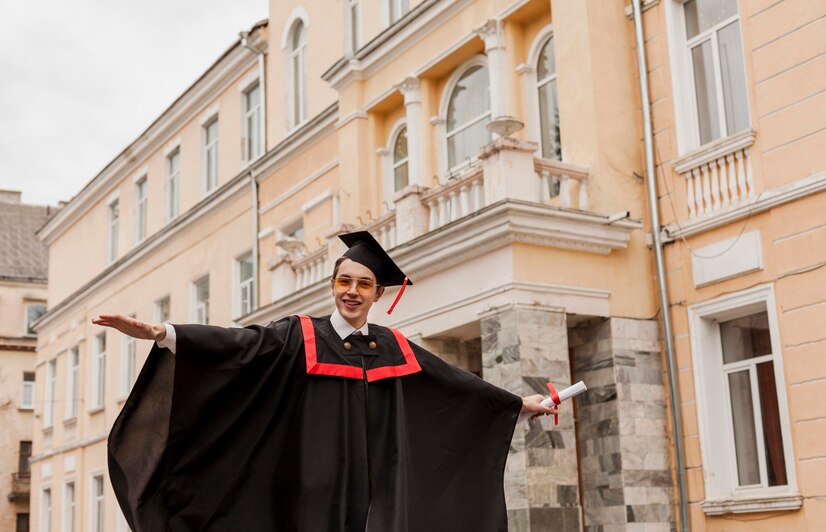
311	268
384	229
718	175
455	199
562	184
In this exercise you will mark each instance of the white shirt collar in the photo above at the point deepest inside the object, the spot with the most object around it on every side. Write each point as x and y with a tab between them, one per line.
342	328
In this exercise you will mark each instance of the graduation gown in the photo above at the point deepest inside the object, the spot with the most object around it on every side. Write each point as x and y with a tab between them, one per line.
290	428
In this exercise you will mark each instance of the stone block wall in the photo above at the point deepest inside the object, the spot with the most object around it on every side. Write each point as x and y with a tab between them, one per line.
621	422
522	347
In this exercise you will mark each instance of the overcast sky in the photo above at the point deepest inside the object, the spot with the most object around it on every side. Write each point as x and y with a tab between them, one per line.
80	80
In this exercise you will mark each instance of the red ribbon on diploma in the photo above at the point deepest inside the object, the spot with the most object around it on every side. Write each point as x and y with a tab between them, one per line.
555	399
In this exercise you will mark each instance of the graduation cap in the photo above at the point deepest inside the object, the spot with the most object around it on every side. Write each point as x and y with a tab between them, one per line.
366	250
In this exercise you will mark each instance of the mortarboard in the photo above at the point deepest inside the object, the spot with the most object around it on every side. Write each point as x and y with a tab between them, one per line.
366	250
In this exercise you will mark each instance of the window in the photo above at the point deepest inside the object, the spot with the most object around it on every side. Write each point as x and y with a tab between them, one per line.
99	370
200	309
298	75
210	135
246	285
97	503
140	210
23	465
397	9
354	25
45	510
69	507
22	523
27	397
548	106
400	176
48	407
253	145
127	364
468	112
114	215
33	312
716	68
162	310
744	433
72	382
173	171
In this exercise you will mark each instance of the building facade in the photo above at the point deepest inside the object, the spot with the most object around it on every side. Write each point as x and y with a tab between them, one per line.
23	267
527	246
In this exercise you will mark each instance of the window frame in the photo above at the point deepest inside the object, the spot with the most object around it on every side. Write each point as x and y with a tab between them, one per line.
157	308
394	10
195	304
45	512
126	368
353	29
239	285
27	322
253	146
716	432
113	230
209	183
297	75
141	212
97	380
72	382
682	78
49	391
172	185
388	163
69	511
445	170
97	522
30	386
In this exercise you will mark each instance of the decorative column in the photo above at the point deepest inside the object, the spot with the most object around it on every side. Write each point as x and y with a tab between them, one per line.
524	346
621	421
410	89
491	33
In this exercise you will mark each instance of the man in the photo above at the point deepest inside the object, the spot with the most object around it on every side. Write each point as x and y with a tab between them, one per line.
316	424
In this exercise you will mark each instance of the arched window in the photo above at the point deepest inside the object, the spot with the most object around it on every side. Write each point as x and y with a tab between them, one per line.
548	104
298	74
467	113
400	173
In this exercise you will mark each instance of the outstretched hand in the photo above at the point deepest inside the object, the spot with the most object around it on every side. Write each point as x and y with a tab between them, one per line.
131	326
530	405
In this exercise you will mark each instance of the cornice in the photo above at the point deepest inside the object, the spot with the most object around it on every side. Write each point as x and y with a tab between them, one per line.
225	71
227	192
503	223
762	202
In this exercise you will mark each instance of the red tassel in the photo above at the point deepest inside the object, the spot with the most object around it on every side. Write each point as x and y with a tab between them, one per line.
555	399
398	296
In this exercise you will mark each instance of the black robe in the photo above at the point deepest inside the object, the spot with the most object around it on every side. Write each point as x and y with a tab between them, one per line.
233	433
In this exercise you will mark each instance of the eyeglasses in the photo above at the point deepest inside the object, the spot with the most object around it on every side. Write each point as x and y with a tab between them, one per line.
343	284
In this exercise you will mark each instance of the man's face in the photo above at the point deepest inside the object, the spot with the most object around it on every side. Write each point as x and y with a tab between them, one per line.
354	304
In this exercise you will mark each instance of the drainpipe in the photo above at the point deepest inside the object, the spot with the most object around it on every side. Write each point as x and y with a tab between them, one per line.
244	35
651	183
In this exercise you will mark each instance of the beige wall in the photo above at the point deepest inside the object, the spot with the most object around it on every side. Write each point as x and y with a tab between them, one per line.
17	356
783	55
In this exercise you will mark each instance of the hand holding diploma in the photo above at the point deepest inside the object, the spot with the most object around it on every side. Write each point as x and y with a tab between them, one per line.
555	399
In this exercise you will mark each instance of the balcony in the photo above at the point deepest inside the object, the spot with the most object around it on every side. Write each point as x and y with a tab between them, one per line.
20	487
508	196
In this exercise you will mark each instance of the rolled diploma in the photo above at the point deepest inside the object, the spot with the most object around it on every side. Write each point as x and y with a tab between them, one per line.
565	394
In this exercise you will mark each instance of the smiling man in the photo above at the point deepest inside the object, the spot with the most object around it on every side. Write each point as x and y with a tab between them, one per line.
311	424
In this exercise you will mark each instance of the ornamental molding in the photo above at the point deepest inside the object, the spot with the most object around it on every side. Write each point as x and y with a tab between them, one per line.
764	201
758	504
217	79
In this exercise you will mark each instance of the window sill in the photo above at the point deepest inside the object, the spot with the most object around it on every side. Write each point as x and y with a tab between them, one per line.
714	150
95	410
70	422
25	408
769	503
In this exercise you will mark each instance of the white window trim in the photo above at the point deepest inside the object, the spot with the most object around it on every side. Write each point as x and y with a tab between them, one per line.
26	319
387	164
246	157
45	524
193	298
386	20
682	79
141	204
530	88
97	380
292	123
92	501
126	368
169	177
205	190
440	121
72	383
352	43
716	441
49	390
298	13
31	386
112	230
68	519
156	308
236	285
